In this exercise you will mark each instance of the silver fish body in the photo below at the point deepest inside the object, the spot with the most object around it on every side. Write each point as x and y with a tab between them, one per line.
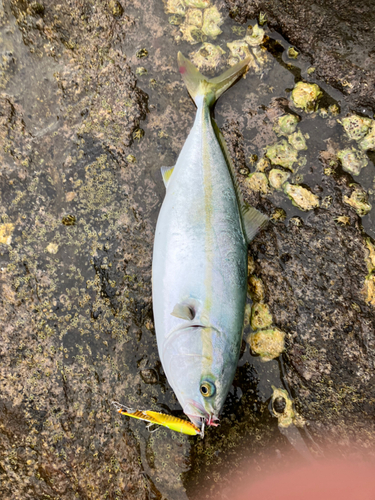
199	273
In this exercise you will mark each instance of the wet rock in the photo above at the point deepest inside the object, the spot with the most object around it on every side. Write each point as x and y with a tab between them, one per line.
301	197
322	41
306	95
149	376
268	344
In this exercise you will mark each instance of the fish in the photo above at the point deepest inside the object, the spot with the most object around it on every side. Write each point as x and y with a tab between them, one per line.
199	265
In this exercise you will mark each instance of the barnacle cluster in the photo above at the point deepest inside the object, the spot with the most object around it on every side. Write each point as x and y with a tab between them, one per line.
360	129
198	19
266	340
250	45
306	96
275	169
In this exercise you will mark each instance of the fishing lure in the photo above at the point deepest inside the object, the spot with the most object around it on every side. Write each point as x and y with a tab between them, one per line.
155	418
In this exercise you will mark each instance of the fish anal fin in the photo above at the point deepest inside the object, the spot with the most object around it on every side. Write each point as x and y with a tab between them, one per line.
252	221
166	173
184	310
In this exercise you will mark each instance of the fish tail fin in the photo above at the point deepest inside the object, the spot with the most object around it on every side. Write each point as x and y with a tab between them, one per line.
211	88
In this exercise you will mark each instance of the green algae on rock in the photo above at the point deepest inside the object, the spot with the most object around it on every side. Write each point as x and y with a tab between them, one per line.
356	126
306	96
371	255
282	154
260	316
359	201
352	160
6	231
301	197
369	289
256	289
258	182
277	178
286	124
292	53
368	142
268	344
297	140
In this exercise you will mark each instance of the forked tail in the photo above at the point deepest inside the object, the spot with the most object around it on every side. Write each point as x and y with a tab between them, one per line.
211	88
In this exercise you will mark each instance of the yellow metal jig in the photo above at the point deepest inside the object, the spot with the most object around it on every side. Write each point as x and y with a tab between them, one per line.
155	418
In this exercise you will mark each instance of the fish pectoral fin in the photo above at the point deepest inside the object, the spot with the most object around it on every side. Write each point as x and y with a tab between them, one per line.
252	221
184	310
166	173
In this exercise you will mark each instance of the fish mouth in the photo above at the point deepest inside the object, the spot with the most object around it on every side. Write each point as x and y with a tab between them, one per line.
199	416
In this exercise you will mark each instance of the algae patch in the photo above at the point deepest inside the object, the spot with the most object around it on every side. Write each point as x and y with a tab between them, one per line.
258	182
301	197
260	316
286	124
208	57
283	154
359	201
352	160
306	96
6	231
268	344
278	178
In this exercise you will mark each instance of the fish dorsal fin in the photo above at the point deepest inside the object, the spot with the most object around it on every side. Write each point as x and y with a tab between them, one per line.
184	310
166	173
252	219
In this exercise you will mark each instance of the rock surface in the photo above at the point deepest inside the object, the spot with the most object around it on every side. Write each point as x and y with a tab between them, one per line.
337	35
82	143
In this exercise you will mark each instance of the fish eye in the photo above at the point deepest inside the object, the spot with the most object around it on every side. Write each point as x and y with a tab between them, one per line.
207	389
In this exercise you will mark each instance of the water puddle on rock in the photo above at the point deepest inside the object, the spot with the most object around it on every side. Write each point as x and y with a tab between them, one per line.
81	255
